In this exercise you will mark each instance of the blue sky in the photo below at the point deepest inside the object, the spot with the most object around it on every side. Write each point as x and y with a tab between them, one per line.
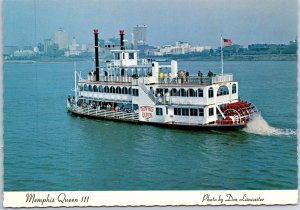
27	22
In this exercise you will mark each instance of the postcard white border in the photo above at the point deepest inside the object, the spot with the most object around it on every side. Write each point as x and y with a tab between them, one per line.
138	198
149	198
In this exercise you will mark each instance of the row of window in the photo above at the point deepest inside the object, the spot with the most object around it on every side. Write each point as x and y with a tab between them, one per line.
223	90
181	92
130	56
106	89
189	112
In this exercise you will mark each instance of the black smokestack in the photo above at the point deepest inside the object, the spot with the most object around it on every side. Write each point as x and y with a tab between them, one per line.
122	39
96	53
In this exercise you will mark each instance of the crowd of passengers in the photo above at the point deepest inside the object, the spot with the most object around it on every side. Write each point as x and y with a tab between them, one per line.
115	107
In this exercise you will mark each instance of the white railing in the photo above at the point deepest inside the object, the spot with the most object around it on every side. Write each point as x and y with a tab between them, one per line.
222	78
116	79
185	80
196	80
107	114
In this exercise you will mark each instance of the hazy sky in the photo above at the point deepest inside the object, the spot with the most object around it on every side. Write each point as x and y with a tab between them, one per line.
27	22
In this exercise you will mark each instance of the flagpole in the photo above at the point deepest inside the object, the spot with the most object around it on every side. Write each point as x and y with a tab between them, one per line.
222	69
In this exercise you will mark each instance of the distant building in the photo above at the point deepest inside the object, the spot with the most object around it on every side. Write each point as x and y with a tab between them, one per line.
53	51
24	54
179	48
27	48
113	41
233	50
41	47
139	35
61	39
74	49
47	44
9	50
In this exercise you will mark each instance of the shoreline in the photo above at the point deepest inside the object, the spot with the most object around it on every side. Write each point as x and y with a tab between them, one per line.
279	57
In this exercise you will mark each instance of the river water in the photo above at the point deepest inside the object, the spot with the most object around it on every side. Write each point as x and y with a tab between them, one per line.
46	148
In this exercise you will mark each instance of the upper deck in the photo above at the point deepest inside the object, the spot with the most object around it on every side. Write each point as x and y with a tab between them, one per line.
163	81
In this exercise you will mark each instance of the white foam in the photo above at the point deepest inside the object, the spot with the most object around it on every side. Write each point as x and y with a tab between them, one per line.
258	125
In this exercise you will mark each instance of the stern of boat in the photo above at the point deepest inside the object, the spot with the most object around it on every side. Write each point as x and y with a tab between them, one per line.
240	112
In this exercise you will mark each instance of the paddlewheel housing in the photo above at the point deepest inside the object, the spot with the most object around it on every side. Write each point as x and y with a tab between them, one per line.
238	113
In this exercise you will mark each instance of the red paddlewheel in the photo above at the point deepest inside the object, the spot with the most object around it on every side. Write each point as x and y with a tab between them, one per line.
241	111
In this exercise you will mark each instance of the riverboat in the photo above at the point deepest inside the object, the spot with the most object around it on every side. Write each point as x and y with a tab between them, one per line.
137	90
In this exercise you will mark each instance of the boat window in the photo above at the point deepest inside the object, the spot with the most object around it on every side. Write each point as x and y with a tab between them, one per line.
233	88
85	87
90	88
135	92
106	89
80	87
210	92
159	111
211	111
131	55
123	55
200	92
167	110
177	111
223	90
100	88
201	112
112	89
95	88
159	91
117	56
185	112
129	91
182	92
173	92
191	93
124	90
193	112
118	90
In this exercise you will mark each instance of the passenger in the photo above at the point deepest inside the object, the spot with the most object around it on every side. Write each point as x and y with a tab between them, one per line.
200	74
210	74
161	75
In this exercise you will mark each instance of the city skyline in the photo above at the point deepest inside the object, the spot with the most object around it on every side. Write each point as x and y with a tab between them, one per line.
195	21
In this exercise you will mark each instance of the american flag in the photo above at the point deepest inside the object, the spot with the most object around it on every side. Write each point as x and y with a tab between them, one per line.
227	42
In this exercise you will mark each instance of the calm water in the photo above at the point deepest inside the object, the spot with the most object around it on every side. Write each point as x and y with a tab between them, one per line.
48	149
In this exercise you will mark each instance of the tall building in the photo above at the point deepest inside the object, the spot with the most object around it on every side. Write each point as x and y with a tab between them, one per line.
61	39
139	35
47	44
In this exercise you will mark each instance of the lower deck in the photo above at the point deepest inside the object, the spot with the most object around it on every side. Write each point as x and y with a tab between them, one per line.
133	117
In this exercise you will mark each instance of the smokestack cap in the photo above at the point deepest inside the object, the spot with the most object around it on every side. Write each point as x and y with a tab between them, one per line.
122	32
96	31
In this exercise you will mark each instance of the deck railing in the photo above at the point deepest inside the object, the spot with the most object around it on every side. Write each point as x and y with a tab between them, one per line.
115	79
196	80
107	114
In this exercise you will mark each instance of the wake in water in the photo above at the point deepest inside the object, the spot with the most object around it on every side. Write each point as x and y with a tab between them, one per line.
258	125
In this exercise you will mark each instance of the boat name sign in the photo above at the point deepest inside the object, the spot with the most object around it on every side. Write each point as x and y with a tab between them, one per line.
147	112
